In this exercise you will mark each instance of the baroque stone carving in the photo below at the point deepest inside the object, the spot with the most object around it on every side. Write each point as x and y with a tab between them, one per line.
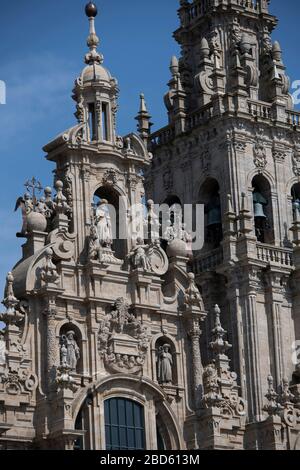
236	34
110	177
64	379
15	309
165	365
272	407
69	351
140	256
192	296
61	205
123	340
34	211
259	152
219	382
17	382
101	236
49	273
103	224
62	244
296	161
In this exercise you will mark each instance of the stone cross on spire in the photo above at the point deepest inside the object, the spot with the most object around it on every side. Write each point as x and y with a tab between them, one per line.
93	41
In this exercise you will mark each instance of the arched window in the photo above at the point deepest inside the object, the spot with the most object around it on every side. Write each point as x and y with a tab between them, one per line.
124	425
210	197
262	207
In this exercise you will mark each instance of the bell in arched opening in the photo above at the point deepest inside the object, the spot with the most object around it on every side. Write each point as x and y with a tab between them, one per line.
259	203
295	193
260	218
296	208
214	213
214	221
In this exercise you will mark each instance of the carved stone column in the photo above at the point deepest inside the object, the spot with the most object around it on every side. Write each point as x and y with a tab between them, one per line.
222	414
195	314
251	285
197	368
52	361
275	299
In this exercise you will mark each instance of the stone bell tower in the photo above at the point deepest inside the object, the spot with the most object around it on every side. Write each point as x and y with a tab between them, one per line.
101	348
232	145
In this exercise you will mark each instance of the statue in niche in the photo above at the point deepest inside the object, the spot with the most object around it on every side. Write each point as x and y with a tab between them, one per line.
69	351
169	233
152	225
165	365
140	256
103	224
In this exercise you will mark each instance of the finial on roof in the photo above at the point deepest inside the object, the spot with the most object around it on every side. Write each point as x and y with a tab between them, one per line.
174	66
143	118
143	107
91	10
93	41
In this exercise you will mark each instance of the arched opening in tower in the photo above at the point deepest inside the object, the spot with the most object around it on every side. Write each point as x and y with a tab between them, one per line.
210	198
110	215
262	209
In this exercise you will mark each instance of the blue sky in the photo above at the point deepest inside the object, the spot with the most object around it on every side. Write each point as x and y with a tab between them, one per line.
42	45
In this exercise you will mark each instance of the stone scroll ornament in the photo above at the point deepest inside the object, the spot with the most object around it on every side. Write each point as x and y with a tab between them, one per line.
122	340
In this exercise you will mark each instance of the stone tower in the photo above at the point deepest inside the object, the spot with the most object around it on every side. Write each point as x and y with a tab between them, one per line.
109	343
232	144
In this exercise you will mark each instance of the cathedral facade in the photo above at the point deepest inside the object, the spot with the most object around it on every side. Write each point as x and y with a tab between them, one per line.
121	332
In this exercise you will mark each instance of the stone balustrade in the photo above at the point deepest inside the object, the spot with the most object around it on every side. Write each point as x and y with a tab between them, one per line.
275	255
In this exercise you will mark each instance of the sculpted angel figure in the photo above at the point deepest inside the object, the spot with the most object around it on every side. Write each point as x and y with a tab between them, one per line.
26	205
103	224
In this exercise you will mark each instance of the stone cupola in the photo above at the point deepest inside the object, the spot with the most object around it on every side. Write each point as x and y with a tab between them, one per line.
96	92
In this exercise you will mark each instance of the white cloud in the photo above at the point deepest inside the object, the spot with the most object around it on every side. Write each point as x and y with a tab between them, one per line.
38	89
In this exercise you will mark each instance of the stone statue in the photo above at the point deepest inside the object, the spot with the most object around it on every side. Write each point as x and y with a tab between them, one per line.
165	364
120	315
94	245
26	205
103	224
69	351
49	273
139	256
169	233
152	222
63	355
